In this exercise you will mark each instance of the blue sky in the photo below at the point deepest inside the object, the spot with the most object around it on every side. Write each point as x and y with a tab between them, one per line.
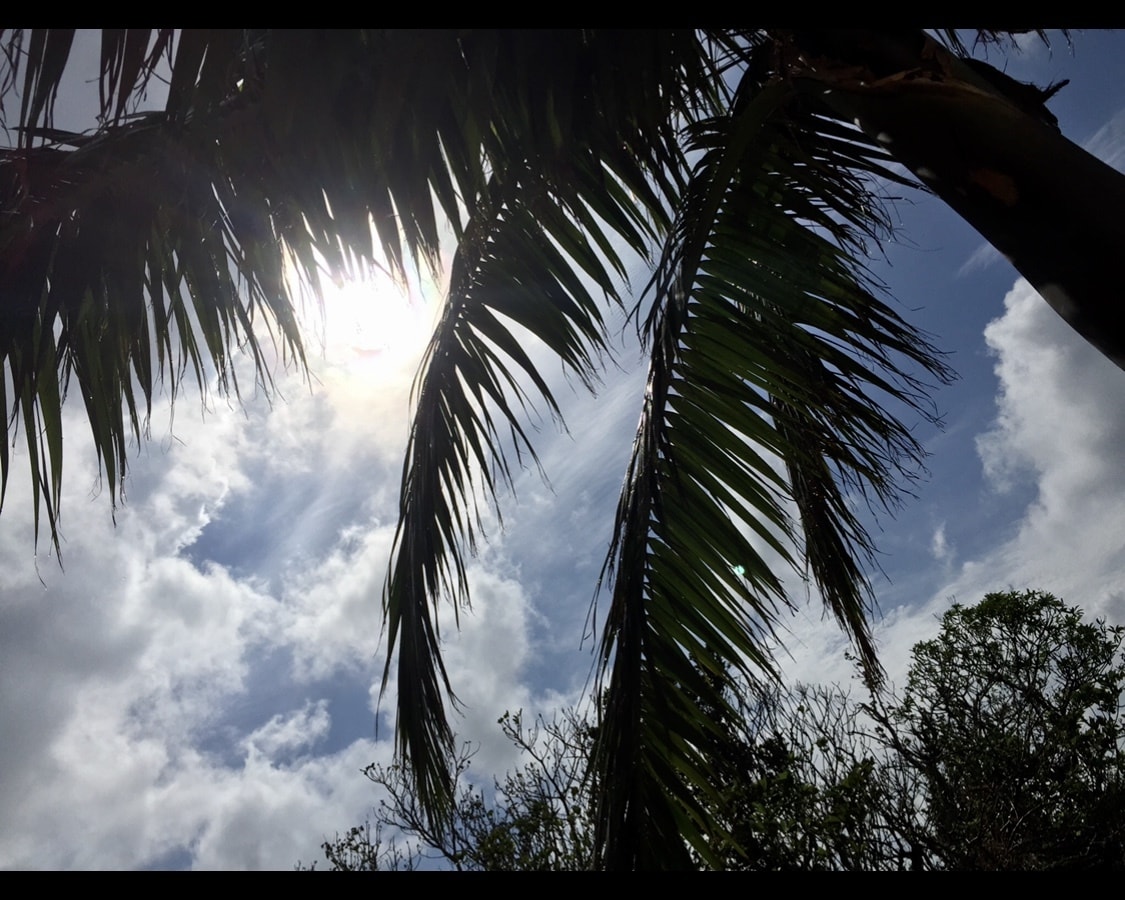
197	687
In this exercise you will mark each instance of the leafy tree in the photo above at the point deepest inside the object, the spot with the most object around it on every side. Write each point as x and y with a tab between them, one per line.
537	818
152	245
801	787
805	789
1012	718
1005	751
798	793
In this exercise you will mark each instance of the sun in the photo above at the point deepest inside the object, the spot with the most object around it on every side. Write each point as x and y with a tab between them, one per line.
374	325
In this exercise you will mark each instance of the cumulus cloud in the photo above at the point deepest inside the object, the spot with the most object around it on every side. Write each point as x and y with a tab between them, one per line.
1059	423
332	614
1059	437
292	731
146	720
1059	433
171	699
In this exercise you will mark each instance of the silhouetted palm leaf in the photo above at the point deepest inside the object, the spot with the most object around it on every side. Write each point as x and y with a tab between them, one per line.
770	351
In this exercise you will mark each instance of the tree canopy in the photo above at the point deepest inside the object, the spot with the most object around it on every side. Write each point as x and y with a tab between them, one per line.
1012	716
1005	750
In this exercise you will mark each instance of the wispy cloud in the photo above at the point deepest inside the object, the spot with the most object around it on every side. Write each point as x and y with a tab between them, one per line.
984	256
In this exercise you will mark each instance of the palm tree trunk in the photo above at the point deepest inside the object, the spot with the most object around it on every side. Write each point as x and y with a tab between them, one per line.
989	150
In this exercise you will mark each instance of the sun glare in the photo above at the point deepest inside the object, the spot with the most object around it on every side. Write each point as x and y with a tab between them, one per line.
373	325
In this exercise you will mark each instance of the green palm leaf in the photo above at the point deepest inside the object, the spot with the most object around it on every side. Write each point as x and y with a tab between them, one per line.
532	257
763	406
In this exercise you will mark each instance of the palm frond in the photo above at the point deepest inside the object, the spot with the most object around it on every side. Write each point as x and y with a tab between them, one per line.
771	358
168	261
153	246
583	165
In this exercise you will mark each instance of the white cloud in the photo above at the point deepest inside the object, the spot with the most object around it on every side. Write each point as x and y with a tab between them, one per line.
939	545
269	816
1060	421
984	256
333	612
1108	142
160	708
290	731
1059	434
130	680
1059	428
